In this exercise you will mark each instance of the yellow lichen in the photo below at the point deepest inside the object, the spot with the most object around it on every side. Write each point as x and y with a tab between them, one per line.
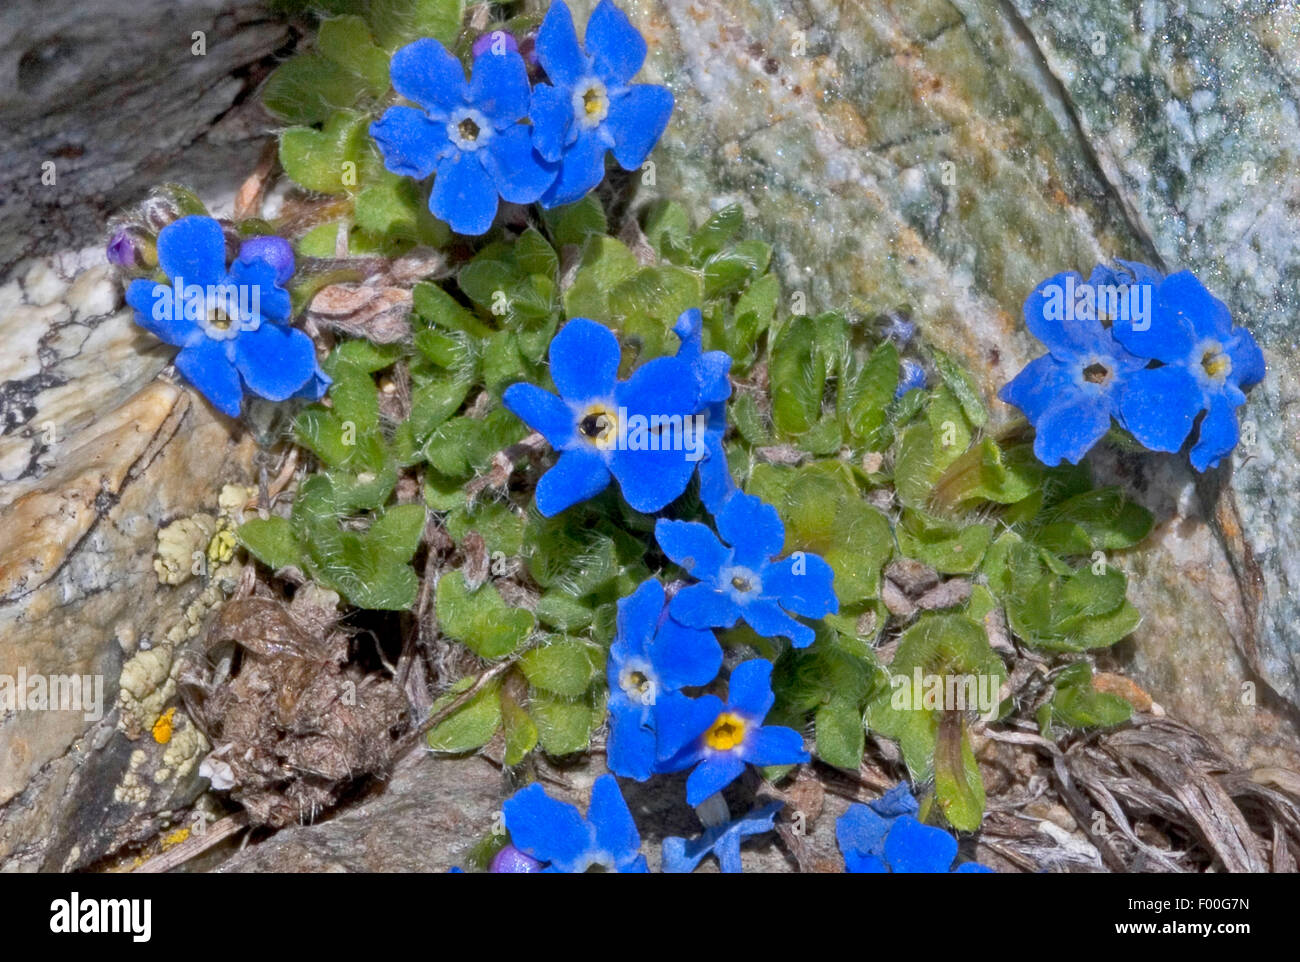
162	728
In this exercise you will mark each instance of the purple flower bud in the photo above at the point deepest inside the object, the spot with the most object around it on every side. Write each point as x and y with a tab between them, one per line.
485	43
121	249
912	377
276	251
512	861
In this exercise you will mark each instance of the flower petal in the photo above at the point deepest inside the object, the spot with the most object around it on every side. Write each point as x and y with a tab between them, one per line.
713	775
615	830
630	749
578	475
616	48
693	546
276	251
273	301
584	360
776	745
662	388
679	723
1218	434
548	830
146	296
804	583
861	831
716	482
768	619
410	142
1158	406
464	195
275	361
638	615
551	113
913	847
636	121
1069	430
1038	386
557	47
1184	295
542	411
193	249
499	87
702	606
749	690
1046	311
424	72
1247	359
680	857
206	366
864	865
752	528
684	657
520	173
582	167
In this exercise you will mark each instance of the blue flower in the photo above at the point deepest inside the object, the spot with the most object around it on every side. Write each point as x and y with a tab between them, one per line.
719	740
230	323
1071	393
680	855
1207	365
711	370
738	578
886	836
556	833
652	655
911	377
604	427
467	134
589	106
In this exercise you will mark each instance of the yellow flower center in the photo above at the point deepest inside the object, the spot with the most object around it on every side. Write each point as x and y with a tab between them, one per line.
1216	363
468	129
599	425
726	732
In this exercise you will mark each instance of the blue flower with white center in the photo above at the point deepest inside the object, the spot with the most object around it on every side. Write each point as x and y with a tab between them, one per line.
722	841
738	578
1207	365
633	430
886	836
590	106
652	655
711	370
718	739
231	323
1071	393
467	134
556	833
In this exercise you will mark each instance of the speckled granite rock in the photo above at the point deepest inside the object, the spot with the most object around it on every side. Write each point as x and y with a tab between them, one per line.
946	156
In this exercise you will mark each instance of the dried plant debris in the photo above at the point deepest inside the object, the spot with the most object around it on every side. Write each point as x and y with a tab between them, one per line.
294	722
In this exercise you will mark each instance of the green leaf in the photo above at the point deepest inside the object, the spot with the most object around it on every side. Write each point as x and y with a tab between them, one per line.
798	378
520	731
573	223
272	542
948	547
841	736
563	667
963	387
398	22
534	255
398	530
346	41
1077	704
440	309
480	619
1107	520
605	262
308	88
473	725
564	725
865	399
563	612
957	781
715	232
317	159
501	528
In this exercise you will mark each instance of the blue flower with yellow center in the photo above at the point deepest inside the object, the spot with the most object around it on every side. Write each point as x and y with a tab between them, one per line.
556	833
231	323
652	655
1071	393
1207	365
630	430
738	578
719	739
467	134
590	105
886	836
